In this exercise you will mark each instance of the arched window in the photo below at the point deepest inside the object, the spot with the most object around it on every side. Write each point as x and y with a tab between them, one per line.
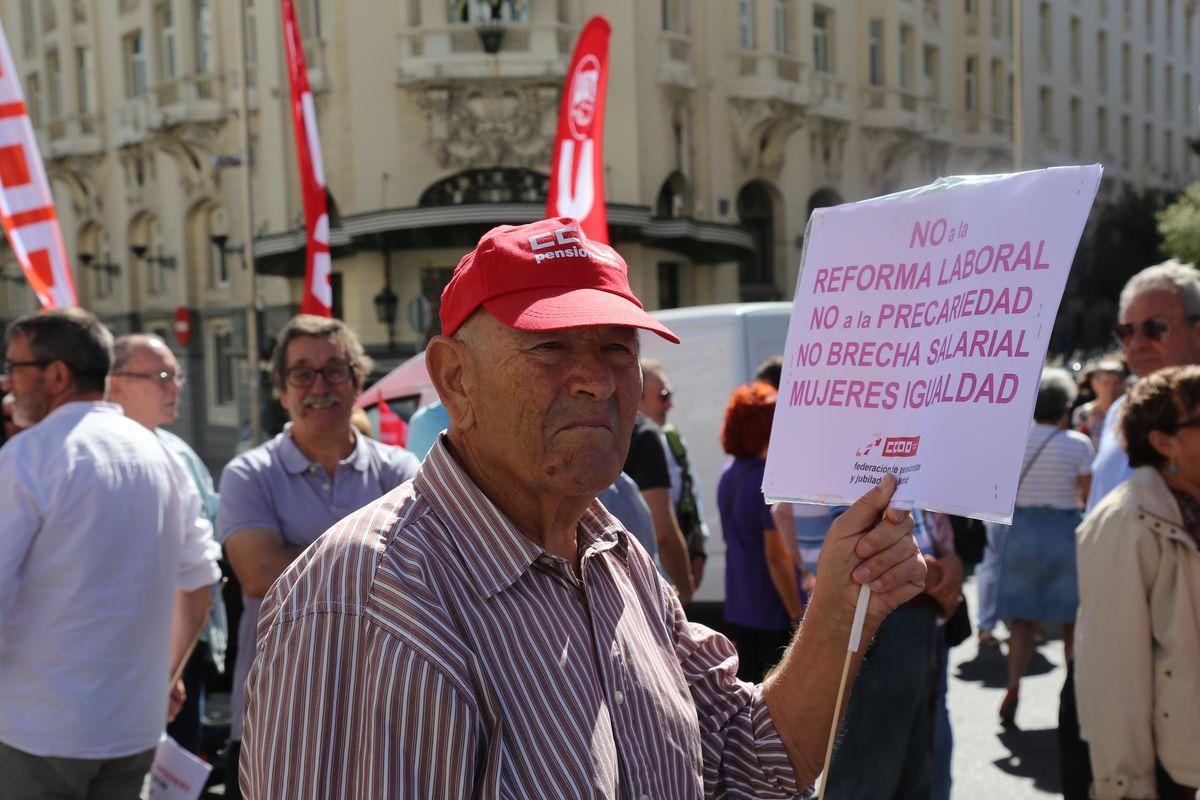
674	198
756	212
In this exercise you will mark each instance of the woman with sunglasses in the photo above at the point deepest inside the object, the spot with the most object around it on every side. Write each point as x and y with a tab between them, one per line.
1137	658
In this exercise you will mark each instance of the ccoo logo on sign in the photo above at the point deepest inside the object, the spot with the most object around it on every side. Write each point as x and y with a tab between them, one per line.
901	446
584	85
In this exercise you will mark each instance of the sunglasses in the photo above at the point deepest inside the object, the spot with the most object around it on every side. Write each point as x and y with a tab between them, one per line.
666	395
162	378
1155	329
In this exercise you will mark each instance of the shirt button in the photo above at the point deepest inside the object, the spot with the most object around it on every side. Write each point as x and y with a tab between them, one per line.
327	487
619	697
644	797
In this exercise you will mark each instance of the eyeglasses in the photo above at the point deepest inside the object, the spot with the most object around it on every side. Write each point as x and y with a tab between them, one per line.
162	378
334	373
1155	329
666	395
40	363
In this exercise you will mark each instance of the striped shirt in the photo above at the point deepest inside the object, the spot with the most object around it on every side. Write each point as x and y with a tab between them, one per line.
1052	480
424	647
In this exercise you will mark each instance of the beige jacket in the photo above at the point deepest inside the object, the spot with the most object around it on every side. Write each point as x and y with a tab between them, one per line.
1137	640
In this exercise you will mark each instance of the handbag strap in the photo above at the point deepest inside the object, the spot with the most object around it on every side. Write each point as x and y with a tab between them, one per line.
1029	465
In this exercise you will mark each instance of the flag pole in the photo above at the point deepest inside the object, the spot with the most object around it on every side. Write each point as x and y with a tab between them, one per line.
253	388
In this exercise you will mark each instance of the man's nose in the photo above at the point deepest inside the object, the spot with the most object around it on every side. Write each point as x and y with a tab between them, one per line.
591	373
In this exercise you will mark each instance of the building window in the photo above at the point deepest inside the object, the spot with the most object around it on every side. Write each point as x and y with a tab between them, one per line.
1189	19
1148	145
308	15
822	40
54	89
932	71
970	7
28	27
1169	25
1046	33
203	31
674	16
906	56
1076	50
745	20
1168	152
1148	80
783	30
1126	73
1076	126
164	30
1046	111
998	17
1102	61
1102	131
85	71
875	52
1169	90
1149	6
33	98
251	33
337	303
970	84
668	284
460	11
433	282
1126	140
222	372
134	48
1187	100
997	85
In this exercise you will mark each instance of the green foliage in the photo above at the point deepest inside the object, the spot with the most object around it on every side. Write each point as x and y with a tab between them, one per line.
1179	224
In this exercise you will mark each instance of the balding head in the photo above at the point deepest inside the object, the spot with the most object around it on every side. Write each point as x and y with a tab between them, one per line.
146	380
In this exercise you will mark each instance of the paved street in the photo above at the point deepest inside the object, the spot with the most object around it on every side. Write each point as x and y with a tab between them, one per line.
990	762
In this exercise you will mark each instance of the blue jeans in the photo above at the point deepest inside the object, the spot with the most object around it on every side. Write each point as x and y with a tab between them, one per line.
884	750
987	574
943	736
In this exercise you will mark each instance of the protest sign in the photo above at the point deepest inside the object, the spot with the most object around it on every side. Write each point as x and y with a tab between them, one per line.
176	773
917	338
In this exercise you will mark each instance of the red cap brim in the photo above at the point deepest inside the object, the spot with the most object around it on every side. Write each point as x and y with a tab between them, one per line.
551	308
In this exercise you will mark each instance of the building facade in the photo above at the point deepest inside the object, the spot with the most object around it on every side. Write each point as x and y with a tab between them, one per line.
728	121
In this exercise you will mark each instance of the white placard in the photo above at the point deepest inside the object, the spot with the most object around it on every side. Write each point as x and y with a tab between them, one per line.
917	340
176	773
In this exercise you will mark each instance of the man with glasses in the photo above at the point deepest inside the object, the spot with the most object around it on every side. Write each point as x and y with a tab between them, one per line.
279	497
147	382
1159	326
106	566
657	400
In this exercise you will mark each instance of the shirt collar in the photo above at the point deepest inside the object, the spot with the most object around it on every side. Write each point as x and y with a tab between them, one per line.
86	406
295	462
494	550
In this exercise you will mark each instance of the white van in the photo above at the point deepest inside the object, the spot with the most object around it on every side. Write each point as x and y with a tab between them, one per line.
720	348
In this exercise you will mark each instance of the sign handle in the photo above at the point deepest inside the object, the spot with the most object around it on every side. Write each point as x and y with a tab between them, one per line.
860	616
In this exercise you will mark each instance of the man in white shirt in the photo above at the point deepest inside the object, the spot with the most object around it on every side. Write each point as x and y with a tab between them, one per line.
105	569
1159	326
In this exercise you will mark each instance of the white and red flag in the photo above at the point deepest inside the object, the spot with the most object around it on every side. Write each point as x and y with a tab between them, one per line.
318	292
577	169
26	205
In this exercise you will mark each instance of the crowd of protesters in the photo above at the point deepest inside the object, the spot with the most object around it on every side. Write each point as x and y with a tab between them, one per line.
110	566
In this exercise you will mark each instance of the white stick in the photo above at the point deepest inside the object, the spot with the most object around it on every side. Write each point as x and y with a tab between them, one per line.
856	629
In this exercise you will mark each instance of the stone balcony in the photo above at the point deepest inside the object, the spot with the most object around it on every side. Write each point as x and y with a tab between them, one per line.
75	135
770	76
675	60
472	52
192	99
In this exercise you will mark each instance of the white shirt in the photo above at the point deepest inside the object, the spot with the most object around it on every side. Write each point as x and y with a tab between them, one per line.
99	524
1052	479
1111	467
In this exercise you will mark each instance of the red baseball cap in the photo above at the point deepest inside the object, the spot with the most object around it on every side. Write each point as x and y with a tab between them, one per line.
544	276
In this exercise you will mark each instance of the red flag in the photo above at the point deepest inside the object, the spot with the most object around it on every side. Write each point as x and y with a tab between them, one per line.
392	429
318	292
26	205
577	170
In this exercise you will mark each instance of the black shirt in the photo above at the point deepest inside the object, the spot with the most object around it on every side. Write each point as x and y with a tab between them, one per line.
647	459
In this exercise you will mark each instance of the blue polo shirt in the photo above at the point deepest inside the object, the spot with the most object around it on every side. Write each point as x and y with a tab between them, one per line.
275	486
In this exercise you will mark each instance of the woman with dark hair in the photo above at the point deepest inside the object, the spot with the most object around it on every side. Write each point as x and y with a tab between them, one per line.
1037	563
1137	660
762	595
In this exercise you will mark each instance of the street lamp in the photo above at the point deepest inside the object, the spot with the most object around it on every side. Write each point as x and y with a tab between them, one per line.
141	253
386	304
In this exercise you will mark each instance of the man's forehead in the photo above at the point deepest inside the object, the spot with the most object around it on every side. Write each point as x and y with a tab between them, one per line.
312	350
1153	302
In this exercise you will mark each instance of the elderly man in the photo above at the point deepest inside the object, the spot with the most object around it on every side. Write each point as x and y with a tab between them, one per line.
100	538
279	497
1159	326
684	498
146	381
489	630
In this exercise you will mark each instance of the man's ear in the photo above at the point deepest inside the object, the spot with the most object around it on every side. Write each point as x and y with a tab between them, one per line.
450	367
58	378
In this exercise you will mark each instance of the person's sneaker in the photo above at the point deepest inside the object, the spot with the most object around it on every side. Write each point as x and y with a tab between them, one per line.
1008	708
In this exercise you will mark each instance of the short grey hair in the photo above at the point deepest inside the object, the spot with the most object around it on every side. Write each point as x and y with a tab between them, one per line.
322	328
651	366
1056	393
70	335
125	346
1182	280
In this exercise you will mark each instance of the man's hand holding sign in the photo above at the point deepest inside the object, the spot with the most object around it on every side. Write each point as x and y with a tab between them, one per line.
911	365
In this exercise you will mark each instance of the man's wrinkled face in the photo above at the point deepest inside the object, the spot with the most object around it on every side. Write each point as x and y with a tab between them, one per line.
148	386
1179	344
30	402
319	386
657	396
555	408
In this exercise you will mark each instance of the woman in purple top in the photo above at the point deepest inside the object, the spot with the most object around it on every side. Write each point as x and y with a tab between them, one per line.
762	593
